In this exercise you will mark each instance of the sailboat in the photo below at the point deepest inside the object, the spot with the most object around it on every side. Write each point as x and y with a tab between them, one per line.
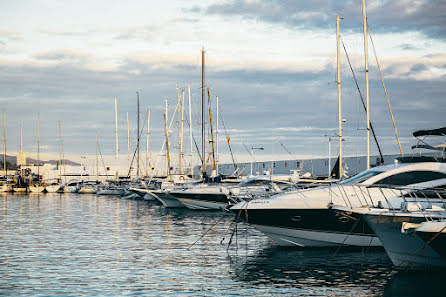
5	187
37	187
54	186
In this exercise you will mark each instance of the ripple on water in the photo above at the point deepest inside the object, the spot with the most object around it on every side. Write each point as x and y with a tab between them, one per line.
72	245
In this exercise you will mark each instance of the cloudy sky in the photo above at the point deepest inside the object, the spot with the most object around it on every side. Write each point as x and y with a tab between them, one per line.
272	64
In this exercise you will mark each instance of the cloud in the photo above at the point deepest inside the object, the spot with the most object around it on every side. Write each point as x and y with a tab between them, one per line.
63	56
427	16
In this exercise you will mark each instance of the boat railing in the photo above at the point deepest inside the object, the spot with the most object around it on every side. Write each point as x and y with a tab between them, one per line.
361	196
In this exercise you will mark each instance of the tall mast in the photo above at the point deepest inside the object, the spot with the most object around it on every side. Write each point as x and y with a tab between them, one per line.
97	159
216	161
60	153
366	81
203	140
137	161
339	96
63	156
128	139
116	127
147	142
167	143
38	146
212	133
190	129
179	129
181	135
4	144
21	139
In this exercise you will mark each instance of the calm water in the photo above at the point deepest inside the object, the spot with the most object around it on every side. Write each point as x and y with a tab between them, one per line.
73	245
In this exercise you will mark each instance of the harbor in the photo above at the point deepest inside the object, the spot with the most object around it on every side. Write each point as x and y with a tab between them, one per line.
98	246
229	148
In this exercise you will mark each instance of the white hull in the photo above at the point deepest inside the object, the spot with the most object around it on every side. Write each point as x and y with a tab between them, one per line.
20	190
168	200
405	250
115	192
70	189
201	204
311	238
52	188
5	188
38	189
88	190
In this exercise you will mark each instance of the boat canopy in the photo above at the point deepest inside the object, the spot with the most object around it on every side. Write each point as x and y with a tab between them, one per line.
434	132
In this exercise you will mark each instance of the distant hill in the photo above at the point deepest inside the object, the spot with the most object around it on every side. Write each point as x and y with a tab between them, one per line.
13	160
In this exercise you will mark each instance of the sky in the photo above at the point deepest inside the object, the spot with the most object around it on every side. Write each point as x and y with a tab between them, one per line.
272	64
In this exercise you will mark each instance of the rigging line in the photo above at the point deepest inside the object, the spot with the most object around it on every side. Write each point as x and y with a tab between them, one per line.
164	142
218	221
362	100
193	138
385	91
287	150
103	163
136	149
228	138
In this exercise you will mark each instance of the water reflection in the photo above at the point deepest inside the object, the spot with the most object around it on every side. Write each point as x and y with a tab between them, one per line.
309	272
92	245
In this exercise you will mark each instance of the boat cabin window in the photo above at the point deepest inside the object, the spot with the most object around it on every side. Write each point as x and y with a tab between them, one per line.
409	178
360	177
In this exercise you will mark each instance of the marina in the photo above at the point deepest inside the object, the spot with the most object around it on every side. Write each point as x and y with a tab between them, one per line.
102	245
246	169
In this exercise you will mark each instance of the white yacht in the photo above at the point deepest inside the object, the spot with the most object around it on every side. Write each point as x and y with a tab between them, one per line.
305	217
203	196
88	187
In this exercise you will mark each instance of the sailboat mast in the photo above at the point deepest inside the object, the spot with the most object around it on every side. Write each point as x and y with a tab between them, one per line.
216	161
181	135
338	51
116	127
137	161
203	140
179	128
38	146
190	129
60	154
97	160
167	143
366	81
212	132
147	142
4	144
128	139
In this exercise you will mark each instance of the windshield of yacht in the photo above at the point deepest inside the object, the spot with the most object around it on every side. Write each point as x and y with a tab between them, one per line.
359	178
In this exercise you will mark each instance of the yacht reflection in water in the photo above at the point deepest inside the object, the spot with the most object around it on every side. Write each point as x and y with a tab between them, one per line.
315	272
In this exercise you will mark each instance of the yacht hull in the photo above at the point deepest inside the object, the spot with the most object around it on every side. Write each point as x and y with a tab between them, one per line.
168	200
202	201
88	190
312	238
405	249
37	189
310	227
52	188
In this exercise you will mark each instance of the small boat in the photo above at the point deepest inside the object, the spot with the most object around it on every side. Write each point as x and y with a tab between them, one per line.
71	187
111	190
89	187
5	188
203	197
36	188
53	187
